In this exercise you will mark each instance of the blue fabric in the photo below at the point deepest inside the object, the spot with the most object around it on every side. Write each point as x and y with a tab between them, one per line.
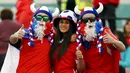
26	33
33	25
125	58
86	44
90	11
98	26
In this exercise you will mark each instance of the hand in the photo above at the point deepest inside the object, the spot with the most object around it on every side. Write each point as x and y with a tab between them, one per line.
73	38
107	38
20	33
79	54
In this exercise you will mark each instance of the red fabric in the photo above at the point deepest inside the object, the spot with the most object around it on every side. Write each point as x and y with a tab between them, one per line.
105	62
49	28
82	26
34	59
115	53
24	14
67	63
128	40
95	2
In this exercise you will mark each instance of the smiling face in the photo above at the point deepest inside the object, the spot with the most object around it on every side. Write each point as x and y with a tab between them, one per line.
127	28
64	25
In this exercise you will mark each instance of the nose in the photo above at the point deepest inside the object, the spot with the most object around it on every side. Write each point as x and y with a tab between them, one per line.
89	21
63	24
42	20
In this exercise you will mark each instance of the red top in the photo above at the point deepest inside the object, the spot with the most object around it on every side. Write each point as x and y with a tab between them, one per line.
34	59
67	64
105	62
95	2
128	40
7	28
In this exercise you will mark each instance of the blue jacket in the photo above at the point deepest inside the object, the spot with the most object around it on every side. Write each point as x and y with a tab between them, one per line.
125	58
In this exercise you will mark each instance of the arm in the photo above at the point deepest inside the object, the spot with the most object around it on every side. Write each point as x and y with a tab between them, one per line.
17	35
109	38
13	39
80	61
119	45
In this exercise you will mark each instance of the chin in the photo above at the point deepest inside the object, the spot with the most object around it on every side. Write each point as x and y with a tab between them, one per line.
90	33
39	31
63	31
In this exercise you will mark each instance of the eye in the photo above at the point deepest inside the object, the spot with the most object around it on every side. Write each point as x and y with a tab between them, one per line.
84	20
91	19
38	17
45	18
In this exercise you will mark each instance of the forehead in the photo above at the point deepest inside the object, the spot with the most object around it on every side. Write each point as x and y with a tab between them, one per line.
64	19
88	15
129	22
43	14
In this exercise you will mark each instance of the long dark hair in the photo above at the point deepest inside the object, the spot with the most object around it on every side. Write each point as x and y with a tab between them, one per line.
127	22
64	45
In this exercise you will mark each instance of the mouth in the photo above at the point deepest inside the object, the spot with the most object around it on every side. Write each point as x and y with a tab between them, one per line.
41	24
90	26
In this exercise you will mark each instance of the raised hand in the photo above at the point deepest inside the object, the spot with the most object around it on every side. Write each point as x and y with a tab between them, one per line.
20	33
79	54
107	38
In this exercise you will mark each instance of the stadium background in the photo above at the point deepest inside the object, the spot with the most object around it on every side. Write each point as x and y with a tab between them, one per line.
123	11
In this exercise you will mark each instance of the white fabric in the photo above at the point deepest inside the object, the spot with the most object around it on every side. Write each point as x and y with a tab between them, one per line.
11	60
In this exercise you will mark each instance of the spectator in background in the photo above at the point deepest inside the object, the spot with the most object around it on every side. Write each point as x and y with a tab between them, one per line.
24	14
121	37
125	60
70	4
66	4
109	12
7	27
59	4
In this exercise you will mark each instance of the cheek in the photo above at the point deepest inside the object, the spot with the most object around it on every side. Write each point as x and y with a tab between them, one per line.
67	26
127	28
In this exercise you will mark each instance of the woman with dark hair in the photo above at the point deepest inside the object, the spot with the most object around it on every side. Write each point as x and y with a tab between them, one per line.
63	52
125	60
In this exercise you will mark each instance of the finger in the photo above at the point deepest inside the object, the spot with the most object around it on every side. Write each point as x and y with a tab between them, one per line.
20	36
105	40
105	31
22	27
106	35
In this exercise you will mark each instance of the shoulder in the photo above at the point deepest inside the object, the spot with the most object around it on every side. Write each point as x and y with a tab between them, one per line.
73	43
72	46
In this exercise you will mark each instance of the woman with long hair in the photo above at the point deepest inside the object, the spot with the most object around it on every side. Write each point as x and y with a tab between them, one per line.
63	53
